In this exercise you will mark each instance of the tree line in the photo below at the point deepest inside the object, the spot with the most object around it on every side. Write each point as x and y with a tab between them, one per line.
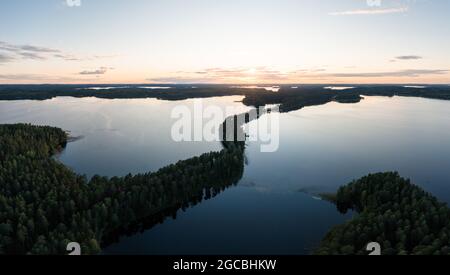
400	216
289	99
44	205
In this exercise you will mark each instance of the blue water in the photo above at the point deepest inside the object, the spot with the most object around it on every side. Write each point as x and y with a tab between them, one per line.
273	209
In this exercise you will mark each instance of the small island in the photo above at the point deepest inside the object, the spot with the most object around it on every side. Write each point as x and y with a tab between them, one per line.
400	216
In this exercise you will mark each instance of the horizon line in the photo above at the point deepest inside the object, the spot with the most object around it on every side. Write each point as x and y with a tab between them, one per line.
212	84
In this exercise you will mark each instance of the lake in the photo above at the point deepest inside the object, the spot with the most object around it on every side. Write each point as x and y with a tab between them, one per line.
273	210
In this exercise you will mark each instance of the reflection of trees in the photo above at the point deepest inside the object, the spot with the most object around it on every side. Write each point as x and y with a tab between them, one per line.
44	205
231	131
227	168
215	181
289	99
400	216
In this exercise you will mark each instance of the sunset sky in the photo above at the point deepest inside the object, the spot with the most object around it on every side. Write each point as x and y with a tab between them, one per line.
232	41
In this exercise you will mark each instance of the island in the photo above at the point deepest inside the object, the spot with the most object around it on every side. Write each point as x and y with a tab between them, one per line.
398	215
44	205
287	98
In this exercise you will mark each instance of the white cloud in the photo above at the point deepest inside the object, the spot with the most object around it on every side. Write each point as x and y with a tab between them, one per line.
99	71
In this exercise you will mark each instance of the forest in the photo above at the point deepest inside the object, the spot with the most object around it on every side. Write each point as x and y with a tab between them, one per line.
176	92
289	99
400	216
44	205
311	95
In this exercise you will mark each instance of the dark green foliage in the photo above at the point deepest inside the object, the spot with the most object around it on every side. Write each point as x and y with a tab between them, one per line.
398	215
288	98
310	95
177	92
44	205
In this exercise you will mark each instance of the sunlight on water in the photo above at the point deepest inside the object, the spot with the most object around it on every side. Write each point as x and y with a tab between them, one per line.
267	88
415	87
155	88
338	88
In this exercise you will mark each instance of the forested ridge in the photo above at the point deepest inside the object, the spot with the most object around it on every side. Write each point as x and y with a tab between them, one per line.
400	216
289	99
44	205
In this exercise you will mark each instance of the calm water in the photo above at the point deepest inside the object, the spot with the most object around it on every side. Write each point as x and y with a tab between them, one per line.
118	136
321	148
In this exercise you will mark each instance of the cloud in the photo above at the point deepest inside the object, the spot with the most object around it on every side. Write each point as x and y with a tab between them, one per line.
38	78
8	47
67	57
408	57
4	58
32	52
224	75
403	73
105	56
376	11
232	75
27	51
179	80
30	48
31	55
21	77
26	48
266	75
99	71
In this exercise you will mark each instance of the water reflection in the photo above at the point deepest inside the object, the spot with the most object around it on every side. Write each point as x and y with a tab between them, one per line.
326	146
274	89
273	210
121	136
415	87
155	88
338	88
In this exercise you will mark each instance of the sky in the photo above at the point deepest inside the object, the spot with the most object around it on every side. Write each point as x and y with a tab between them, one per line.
229	41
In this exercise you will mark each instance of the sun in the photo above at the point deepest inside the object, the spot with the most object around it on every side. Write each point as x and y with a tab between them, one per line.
252	71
